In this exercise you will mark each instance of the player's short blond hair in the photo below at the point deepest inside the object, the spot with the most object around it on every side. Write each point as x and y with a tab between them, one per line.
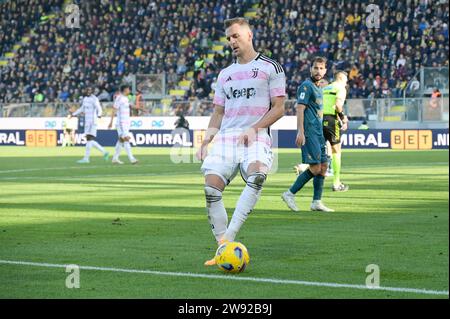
339	73
239	20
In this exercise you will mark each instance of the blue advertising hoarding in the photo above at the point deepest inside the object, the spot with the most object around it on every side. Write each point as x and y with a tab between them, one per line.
355	139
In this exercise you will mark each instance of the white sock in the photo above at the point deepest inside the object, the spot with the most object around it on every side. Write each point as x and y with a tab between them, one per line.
88	150
118	149
245	204
127	147
98	146
217	215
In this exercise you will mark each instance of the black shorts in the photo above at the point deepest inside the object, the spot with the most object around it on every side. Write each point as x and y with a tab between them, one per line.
332	129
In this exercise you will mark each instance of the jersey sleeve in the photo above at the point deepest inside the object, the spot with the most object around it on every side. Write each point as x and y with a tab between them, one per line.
303	94
277	82
219	93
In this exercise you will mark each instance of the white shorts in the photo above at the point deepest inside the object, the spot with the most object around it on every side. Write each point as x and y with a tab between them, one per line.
226	160
90	129
123	130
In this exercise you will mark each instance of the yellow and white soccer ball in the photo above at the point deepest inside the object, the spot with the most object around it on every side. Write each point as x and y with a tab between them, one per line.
232	257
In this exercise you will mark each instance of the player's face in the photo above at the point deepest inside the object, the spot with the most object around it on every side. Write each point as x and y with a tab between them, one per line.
88	91
239	38
318	71
126	91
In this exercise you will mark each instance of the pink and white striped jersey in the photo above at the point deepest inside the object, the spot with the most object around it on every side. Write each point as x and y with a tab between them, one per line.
246	90
90	106
122	106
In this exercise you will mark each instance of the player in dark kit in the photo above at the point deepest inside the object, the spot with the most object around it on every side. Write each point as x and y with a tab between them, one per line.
310	138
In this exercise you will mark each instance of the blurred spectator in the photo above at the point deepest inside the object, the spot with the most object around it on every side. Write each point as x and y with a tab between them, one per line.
363	126
120	38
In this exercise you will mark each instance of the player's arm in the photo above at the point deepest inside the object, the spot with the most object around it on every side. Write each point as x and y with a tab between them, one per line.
340	101
300	140
275	113
113	114
98	108
216	118
79	111
213	127
303	95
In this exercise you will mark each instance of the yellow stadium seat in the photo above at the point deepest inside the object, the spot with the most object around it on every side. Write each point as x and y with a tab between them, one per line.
211	56
3	63
9	55
190	74
184	84
250	14
217	48
398	109
392	118
25	39
177	92
166	102
16	47
223	39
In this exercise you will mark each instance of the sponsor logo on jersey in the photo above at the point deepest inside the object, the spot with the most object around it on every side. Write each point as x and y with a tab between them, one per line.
242	93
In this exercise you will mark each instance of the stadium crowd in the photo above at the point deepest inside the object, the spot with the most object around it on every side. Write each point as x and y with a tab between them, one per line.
119	38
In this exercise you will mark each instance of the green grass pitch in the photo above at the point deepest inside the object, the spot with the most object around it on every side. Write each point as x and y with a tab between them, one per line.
152	217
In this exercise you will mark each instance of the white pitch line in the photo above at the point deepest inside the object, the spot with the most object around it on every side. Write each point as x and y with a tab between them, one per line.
64	178
37	169
237	278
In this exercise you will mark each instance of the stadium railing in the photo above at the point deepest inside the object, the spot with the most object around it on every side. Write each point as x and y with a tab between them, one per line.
434	78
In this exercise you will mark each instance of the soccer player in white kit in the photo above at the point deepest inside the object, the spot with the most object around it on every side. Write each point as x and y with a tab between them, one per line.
122	107
90	106
249	97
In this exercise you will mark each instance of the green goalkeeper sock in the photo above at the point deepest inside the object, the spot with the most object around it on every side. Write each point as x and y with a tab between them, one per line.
336	163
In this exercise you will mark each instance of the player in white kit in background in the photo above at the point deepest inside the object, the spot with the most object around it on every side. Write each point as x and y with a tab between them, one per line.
249	97
122	107
90	106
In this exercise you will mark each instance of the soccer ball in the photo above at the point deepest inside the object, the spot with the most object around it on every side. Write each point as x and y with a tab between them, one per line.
232	257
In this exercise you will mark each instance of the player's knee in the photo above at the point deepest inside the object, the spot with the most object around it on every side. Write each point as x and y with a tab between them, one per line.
315	169
212	194
323	169
256	180
90	138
